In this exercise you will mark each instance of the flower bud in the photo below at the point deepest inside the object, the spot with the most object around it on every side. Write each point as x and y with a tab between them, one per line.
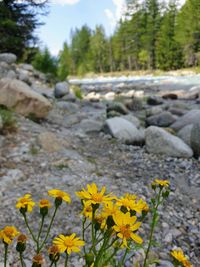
37	260
21	243
58	201
54	253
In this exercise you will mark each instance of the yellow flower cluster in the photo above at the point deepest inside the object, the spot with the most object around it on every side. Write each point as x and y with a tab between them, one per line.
179	256
8	234
110	211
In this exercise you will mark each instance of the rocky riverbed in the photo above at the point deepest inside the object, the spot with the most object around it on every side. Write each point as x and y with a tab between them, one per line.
76	144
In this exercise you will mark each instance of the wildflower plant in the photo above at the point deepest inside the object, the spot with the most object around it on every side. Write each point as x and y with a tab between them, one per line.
110	225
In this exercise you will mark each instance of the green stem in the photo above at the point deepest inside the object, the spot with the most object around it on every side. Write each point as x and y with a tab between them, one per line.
30	231
105	242
93	233
5	253
39	233
51	264
66	259
48	230
112	255
21	259
154	221
83	232
124	257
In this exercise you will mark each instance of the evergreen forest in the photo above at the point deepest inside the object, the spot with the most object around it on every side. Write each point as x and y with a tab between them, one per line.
154	34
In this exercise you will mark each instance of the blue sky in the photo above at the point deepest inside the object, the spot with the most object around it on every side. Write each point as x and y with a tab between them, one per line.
67	14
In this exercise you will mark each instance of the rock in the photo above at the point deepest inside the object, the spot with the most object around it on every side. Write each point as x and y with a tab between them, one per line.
69	97
163	119
195	139
89	125
190	117
153	111
68	106
11	74
185	134
50	142
158	141
134	120
124	131
154	100
27	67
61	89
135	103
23	76
8	58
112	114
170	96
164	263
18	96
118	107
177	111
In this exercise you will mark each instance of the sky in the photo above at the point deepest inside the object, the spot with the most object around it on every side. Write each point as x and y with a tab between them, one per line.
65	15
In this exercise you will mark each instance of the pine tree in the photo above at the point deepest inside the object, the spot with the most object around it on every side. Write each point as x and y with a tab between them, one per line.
188	31
168	50
18	20
64	63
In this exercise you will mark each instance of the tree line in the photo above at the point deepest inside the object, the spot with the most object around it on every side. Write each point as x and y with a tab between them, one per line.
155	34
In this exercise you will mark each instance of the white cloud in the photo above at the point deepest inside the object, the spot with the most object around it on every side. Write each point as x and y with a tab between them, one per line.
65	2
114	17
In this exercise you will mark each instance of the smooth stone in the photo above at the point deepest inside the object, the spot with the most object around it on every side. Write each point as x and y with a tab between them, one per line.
195	139
190	117
8	58
159	141
163	119
185	134
61	89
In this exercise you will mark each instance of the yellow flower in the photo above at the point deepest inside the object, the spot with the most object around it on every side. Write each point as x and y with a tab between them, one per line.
179	256
162	183
68	244
44	203
131	204
126	226
127	201
93	196
87	210
26	203
8	234
56	193
110	209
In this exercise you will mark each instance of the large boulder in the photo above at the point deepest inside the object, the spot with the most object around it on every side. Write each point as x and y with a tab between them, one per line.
191	117
163	119
118	107
8	58
61	89
124	131
195	139
159	141
18	96
185	134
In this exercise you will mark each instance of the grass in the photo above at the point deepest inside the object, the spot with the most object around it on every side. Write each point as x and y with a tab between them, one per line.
77	91
9	122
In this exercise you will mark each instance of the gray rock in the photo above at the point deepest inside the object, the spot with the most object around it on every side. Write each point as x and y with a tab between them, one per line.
154	100
89	125
177	111
163	119
158	141
118	107
190	117
132	119
11	74
67	106
195	139
8	58
61	89
185	134
153	111
27	67
69	97
164	263
23	76
124	131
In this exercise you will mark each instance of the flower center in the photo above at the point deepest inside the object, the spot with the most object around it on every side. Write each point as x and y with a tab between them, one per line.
69	243
97	197
125	230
